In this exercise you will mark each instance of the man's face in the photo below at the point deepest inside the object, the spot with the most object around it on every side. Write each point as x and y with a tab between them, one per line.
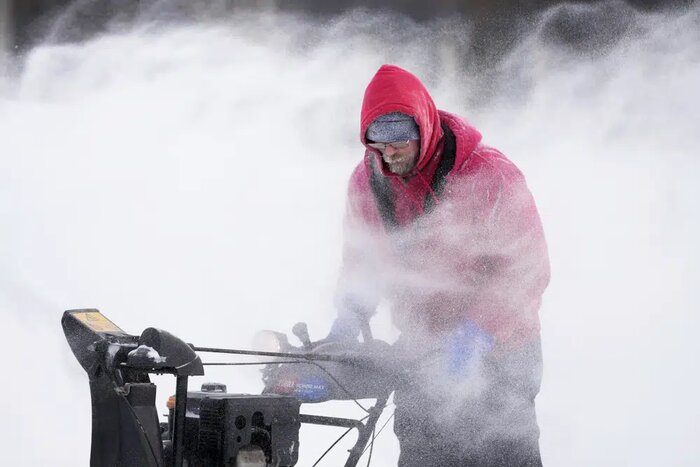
402	161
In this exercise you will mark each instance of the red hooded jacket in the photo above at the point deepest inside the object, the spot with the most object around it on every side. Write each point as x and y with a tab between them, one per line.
479	254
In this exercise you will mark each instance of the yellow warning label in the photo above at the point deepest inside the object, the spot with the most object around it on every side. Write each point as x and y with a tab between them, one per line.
97	321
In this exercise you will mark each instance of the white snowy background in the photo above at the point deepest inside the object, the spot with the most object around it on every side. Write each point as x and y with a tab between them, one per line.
191	176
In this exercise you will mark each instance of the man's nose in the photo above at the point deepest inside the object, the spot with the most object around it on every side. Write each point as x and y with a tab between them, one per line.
389	151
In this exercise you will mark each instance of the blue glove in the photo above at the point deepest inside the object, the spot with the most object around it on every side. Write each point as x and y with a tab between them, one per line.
353	314
466	348
346	327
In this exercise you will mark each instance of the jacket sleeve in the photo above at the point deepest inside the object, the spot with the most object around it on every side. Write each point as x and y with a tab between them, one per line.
504	261
359	285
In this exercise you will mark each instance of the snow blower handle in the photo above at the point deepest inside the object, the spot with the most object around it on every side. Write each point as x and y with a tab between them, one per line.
302	332
365	329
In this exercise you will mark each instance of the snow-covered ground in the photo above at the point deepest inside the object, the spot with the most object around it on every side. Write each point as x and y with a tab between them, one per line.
192	177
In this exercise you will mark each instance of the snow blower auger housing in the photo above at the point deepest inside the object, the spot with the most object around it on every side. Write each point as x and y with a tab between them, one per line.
205	428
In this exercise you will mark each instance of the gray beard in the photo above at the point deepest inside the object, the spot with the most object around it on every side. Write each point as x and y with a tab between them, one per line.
399	168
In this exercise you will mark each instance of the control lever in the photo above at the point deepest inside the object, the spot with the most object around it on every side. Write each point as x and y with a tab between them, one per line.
366	331
302	332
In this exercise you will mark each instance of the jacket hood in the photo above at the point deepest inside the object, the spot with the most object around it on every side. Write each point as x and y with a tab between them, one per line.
393	89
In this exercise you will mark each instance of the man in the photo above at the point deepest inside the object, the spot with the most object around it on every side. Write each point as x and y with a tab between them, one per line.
444	229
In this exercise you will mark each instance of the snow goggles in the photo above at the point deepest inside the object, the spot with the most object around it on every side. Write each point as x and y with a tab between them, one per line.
395	145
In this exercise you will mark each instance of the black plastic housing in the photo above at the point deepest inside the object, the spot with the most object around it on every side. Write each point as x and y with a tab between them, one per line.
125	430
218	425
